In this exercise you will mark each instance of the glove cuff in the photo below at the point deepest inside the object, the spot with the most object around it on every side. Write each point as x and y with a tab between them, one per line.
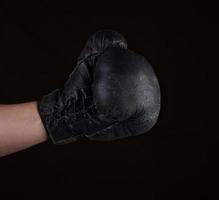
66	120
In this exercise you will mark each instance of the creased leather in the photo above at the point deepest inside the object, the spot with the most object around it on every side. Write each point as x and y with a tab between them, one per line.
112	93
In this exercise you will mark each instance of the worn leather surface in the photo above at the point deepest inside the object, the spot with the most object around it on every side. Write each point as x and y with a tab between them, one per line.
112	93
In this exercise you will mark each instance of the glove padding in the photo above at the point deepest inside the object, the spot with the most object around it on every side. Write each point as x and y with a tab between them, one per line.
125	92
112	93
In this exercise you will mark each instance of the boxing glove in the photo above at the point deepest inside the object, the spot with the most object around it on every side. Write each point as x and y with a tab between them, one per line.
112	93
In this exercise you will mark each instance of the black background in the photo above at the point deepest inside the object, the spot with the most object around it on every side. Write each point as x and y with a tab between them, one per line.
40	43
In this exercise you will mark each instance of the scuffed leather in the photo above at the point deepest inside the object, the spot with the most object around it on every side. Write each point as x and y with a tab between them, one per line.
67	119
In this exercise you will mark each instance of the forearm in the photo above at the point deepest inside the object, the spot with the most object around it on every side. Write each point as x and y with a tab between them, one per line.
20	127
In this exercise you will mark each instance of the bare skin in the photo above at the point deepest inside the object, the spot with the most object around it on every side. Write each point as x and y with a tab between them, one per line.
20	127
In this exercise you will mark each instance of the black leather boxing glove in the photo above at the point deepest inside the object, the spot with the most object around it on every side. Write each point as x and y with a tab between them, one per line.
93	102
